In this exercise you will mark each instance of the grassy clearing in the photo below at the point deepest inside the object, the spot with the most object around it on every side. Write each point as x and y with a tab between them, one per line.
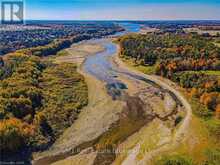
62	53
143	68
217	44
203	134
200	110
195	147
119	132
202	140
210	124
210	72
175	160
207	72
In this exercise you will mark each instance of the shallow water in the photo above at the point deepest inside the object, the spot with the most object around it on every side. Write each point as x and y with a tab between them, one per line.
99	64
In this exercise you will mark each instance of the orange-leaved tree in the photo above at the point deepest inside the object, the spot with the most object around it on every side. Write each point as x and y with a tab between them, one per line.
14	134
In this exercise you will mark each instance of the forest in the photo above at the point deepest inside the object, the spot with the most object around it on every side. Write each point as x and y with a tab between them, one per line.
39	99
191	60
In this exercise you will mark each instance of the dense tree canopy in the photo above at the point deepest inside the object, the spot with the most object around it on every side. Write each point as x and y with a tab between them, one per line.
38	100
193	61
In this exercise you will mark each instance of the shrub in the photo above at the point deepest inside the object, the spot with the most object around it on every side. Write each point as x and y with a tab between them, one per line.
174	160
19	107
217	111
213	126
213	157
210	99
200	110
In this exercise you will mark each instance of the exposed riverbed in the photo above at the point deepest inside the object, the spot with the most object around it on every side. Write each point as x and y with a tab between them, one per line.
130	105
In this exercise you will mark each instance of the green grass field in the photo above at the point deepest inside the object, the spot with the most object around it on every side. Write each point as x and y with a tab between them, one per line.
207	72
143	68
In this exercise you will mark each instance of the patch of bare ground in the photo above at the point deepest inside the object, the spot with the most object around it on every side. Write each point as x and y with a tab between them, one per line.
85	157
145	30
78	52
154	134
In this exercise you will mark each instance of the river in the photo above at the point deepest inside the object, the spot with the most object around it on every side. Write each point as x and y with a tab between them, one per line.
102	68
99	64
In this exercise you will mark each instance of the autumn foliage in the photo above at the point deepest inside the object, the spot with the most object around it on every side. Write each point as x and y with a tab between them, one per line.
38	100
14	134
190	60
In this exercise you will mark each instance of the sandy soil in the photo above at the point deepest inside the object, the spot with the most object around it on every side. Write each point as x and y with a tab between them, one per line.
101	112
86	157
78	52
145	30
180	133
94	119
149	137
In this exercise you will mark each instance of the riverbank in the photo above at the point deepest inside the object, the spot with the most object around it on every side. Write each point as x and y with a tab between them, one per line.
192	135
74	136
94	119
43	99
105	118
181	132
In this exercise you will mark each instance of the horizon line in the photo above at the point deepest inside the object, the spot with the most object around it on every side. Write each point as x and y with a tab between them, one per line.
122	20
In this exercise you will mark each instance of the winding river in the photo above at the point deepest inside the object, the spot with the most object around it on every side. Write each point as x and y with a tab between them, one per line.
105	70
99	64
102	68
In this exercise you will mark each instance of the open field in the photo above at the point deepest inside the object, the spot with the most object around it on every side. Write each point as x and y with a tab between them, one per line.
199	31
207	72
145	30
145	69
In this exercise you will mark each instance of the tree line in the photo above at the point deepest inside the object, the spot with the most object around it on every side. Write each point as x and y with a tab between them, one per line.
184	58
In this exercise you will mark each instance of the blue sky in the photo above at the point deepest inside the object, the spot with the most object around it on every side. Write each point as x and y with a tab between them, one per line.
122	9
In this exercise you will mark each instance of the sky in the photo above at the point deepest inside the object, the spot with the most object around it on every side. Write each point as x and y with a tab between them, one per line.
122	9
